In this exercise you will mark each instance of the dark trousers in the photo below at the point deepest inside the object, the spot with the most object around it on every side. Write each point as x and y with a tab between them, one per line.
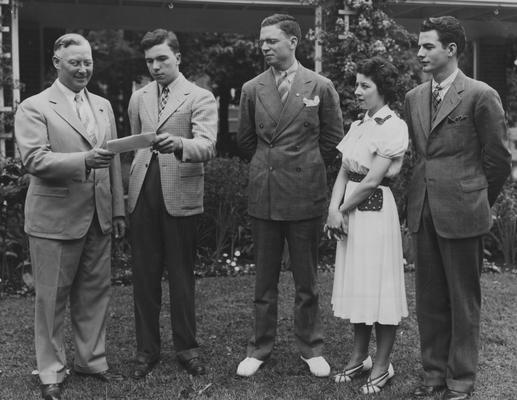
160	241
448	303
302	239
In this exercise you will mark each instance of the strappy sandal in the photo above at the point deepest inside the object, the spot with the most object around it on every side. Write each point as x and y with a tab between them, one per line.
348	374
373	386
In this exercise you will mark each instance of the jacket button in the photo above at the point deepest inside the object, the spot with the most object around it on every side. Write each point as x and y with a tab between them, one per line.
305	123
146	165
271	145
298	169
271	168
261	125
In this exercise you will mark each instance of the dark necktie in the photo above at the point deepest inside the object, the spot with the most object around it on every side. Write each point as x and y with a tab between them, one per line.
163	100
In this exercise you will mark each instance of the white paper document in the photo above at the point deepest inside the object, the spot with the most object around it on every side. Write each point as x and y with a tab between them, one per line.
130	143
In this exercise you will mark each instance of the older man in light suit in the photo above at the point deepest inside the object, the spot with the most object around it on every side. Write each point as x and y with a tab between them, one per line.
290	124
458	129
75	194
166	198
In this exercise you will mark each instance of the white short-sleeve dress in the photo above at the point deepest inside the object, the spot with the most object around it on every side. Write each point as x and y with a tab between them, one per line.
369	273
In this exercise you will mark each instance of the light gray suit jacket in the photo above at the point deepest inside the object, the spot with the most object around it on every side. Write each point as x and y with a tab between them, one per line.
190	115
62	198
462	157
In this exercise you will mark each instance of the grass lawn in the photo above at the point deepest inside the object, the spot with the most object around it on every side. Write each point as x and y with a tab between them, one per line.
224	320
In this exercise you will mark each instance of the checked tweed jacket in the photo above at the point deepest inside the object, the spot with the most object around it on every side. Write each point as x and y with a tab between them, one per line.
191	114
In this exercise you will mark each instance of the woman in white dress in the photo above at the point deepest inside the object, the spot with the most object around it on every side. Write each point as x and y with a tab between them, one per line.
369	276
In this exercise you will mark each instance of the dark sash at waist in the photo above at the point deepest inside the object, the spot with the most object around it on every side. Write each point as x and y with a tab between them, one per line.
355	177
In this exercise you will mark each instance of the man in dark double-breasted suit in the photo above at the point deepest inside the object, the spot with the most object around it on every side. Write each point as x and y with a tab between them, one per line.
290	124
458	130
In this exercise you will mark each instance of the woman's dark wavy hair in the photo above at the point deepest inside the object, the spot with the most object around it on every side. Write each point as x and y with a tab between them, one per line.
383	73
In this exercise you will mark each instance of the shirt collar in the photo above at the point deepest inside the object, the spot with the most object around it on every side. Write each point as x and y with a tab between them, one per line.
173	84
289	71
381	113
67	92
447	82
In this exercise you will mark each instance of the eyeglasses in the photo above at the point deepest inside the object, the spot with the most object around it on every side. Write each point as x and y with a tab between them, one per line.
76	63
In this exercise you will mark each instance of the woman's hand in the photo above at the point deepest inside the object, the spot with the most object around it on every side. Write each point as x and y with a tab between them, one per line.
337	225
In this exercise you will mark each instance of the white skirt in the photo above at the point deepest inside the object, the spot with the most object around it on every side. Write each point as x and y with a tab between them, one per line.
369	273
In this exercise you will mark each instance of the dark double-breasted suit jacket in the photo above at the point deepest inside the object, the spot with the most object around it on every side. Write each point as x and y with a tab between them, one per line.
288	145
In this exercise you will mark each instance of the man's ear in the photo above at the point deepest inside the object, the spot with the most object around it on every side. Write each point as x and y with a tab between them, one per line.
294	42
178	56
452	49
55	61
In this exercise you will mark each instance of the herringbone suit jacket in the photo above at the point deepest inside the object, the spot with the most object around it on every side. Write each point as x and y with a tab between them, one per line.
462	157
62	198
191	114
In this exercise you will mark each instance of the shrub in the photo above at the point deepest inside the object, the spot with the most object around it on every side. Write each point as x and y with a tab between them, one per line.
225	226
13	241
501	242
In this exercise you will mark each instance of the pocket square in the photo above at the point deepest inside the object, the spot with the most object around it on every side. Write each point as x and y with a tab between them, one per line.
311	102
457	118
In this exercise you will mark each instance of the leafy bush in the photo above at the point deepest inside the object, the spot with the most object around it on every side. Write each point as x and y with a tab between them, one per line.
501	243
13	241
225	226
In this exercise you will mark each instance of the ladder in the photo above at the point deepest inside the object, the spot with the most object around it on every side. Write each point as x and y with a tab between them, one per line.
10	74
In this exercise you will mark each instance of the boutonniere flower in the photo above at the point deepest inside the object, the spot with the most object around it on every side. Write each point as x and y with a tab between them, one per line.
311	102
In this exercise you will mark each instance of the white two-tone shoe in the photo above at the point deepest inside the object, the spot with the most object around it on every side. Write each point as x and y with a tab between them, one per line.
318	366
249	366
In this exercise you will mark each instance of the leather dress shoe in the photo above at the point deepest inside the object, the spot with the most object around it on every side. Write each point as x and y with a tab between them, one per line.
105	376
454	395
51	391
194	366
142	369
426	390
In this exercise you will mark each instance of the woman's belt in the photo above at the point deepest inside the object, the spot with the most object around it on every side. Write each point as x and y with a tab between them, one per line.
355	177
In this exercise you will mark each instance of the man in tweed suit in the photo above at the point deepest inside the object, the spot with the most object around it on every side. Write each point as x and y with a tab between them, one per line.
458	129
166	198
290	124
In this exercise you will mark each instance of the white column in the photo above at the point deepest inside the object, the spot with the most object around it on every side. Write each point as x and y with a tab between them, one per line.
318	50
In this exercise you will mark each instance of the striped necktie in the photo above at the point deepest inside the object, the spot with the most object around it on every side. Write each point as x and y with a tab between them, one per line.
163	100
84	116
283	87
436	98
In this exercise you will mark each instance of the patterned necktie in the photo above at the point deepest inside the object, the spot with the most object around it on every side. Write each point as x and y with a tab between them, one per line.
163	100
84	116
436	98
283	87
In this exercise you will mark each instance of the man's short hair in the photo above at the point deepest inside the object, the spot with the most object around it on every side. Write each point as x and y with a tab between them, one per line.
449	30
160	36
286	23
69	39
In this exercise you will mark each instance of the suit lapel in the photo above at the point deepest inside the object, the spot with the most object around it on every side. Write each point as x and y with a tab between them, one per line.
424	109
268	95
176	98
62	107
451	100
150	100
301	87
